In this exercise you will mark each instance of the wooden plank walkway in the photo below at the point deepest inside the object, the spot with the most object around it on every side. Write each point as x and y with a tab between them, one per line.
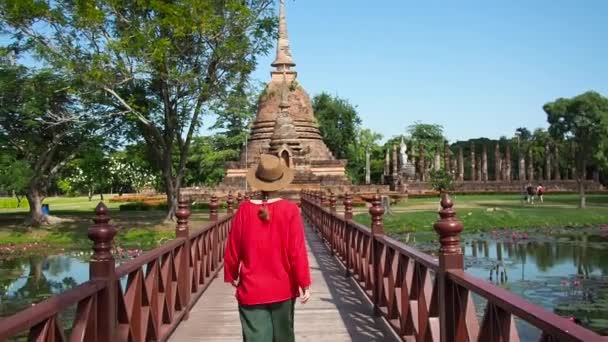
338	310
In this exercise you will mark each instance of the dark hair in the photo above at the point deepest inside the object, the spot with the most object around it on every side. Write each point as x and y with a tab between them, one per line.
263	213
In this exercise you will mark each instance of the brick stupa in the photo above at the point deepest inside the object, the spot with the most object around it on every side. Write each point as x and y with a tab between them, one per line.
285	126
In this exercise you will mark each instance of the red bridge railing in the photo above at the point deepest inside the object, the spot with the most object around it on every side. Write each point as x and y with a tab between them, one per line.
162	286
423	298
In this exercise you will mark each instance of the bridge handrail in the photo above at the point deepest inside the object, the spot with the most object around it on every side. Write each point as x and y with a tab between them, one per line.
537	316
48	309
162	286
423	297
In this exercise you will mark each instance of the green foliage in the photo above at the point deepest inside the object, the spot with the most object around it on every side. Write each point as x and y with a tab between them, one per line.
441	180
583	120
429	135
158	65
42	125
14	177
338	122
364	139
340	127
206	165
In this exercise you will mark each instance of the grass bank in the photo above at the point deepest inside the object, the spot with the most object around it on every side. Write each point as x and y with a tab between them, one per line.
487	212
136	229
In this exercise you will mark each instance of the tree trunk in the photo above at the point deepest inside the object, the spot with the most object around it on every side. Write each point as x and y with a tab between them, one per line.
173	185
101	195
582	177
34	199
90	194
581	192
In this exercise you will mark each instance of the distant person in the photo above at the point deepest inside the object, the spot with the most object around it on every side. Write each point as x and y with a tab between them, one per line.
540	191
530	193
266	259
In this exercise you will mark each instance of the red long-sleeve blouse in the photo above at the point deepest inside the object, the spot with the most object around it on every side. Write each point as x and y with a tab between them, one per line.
270	258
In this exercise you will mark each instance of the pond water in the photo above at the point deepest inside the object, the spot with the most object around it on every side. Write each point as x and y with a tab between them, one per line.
31	279
563	272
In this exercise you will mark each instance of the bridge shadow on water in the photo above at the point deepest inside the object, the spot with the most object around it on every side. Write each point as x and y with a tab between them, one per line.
355	310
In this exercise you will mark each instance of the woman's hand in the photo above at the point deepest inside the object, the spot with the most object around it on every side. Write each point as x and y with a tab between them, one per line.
305	295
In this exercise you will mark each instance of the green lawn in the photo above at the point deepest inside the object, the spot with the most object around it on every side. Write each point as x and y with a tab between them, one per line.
141	229
63	203
485	212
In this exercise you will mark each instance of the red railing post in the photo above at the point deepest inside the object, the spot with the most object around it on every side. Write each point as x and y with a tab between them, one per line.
184	269
102	267
376	211
324	200
348	215
333	228
230	202
450	258
213	207
332	202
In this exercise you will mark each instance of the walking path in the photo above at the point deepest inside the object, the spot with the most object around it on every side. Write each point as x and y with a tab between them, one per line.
338	310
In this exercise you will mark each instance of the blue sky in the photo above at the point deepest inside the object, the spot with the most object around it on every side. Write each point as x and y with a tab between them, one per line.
479	68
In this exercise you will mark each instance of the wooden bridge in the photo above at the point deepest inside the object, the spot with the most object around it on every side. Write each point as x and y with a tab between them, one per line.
366	287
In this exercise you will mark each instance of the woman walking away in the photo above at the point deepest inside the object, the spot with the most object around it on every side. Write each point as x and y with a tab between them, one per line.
266	256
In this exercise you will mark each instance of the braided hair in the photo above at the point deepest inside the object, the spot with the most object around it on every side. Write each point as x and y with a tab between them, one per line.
263	213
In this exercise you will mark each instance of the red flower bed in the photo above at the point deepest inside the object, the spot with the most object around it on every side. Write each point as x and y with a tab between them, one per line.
137	198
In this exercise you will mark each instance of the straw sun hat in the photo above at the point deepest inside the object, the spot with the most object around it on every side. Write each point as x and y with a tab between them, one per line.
270	174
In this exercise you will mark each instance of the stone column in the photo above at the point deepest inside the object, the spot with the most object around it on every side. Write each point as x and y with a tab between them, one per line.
522	166
437	165
547	162
508	169
478	177
497	163
530	166
387	163
368	176
395	163
422	163
557	175
473	173
460	164
484	163
453	167
446	156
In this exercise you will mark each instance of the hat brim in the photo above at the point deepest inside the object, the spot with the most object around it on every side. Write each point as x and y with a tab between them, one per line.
258	184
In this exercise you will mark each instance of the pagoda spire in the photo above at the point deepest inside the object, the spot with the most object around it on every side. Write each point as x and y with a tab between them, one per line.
284	60
284	104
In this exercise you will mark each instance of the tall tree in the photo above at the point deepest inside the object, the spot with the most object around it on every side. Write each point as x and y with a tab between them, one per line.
364	140
431	135
582	119
159	64
15	175
42	125
338	122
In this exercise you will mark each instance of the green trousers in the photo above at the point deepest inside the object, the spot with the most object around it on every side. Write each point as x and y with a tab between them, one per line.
268	322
